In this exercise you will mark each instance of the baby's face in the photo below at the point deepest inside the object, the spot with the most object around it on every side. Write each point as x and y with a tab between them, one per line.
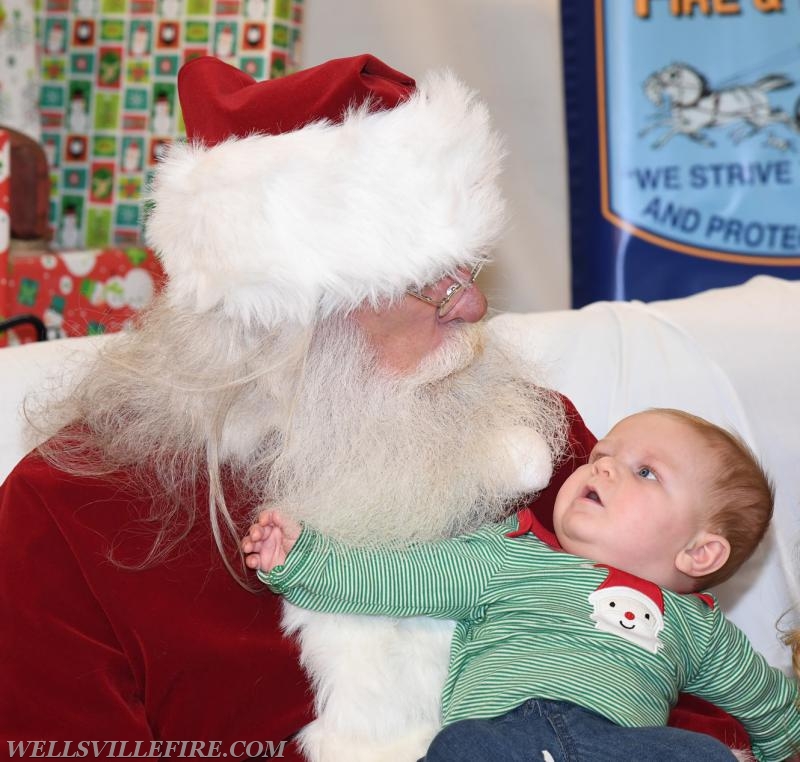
640	499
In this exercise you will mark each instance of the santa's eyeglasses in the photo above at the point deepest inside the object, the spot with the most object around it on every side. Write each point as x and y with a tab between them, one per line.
453	293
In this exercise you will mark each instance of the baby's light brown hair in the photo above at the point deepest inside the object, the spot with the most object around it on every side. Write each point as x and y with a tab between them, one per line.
739	495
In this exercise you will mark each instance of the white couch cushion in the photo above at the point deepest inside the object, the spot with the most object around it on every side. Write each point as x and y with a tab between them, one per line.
28	370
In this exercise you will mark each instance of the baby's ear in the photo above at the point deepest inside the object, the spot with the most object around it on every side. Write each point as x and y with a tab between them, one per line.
707	553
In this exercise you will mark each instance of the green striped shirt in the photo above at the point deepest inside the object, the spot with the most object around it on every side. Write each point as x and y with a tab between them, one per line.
524	630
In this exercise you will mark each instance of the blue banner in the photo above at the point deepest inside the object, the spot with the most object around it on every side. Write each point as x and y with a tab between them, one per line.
683	122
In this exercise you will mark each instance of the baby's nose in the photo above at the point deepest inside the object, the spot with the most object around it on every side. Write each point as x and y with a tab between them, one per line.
604	466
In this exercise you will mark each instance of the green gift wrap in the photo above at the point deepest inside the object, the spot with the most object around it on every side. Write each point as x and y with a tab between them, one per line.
108	99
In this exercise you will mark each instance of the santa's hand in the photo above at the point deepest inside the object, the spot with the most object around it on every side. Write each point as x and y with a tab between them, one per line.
269	540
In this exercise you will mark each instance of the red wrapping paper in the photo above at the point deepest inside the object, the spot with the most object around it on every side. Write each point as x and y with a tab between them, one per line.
78	293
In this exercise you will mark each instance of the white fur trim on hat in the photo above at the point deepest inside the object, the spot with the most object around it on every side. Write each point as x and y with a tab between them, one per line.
295	226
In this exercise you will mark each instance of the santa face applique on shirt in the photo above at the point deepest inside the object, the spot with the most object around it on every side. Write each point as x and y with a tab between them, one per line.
629	607
624	605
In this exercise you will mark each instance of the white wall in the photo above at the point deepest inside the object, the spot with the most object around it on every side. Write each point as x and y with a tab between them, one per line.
510	51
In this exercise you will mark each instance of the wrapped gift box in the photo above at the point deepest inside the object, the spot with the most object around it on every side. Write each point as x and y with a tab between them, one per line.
109	100
78	293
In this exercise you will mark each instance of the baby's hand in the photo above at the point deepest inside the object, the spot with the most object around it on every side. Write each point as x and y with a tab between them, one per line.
269	540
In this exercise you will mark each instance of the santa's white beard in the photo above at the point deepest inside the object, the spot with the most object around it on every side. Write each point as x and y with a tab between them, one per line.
307	420
379	460
375	460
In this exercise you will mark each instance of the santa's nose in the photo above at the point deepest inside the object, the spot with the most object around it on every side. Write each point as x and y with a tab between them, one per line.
470	307
630	615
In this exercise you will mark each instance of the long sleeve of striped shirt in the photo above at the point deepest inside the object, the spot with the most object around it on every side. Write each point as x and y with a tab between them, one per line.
441	579
727	671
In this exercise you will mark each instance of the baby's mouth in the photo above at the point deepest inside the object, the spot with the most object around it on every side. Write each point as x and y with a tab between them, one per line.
593	496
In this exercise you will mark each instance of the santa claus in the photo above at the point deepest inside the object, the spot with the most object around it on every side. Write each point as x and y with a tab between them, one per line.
319	346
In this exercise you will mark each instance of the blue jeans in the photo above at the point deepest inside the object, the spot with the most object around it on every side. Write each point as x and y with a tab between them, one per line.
557	731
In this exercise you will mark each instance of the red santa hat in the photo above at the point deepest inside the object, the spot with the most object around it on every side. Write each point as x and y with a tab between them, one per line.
302	196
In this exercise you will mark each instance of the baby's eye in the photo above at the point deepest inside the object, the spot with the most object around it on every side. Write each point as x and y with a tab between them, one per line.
647	473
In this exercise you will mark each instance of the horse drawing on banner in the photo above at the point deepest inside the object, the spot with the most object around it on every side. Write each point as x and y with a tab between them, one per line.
693	106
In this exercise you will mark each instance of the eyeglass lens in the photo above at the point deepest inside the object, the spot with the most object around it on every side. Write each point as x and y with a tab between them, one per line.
456	290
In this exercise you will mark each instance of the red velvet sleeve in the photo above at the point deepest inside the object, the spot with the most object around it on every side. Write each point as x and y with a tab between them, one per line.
92	651
62	671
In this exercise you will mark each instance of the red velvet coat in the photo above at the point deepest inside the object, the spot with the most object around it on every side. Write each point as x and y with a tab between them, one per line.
91	651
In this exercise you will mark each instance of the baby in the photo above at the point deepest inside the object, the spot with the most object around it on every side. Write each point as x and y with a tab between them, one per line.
574	643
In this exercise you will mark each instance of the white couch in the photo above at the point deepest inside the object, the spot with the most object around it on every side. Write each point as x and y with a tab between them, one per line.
731	355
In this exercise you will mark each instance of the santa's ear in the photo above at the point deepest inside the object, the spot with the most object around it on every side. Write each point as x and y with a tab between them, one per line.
707	553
